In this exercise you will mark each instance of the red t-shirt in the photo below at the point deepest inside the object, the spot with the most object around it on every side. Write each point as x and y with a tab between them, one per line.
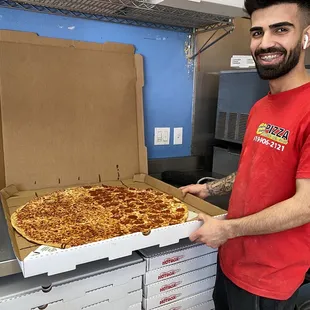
276	152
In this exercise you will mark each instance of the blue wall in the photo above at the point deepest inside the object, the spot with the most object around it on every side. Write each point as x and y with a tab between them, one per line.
168	84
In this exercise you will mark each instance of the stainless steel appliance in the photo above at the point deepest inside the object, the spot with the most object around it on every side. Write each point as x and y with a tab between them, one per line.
238	91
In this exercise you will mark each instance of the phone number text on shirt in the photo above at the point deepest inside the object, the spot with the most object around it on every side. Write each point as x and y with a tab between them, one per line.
269	143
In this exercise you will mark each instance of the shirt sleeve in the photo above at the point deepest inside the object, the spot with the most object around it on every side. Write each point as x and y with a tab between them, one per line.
303	170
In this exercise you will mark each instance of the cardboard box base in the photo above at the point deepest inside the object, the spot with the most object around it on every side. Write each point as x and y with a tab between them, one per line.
132	302
176	282
36	261
35	300
178	269
209	305
204	298
73	284
178	294
81	122
157	258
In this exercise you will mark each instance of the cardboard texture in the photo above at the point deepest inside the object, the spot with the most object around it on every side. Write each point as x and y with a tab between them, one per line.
169	272
205	306
108	293
182	280
157	257
136	307
131	302
70	258
129	267
72	114
204	298
69	96
178	294
2	173
88	285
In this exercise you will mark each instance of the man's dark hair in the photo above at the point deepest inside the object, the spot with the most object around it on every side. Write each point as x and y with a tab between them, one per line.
252	5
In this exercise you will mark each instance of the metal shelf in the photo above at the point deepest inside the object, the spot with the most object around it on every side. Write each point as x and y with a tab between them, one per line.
132	12
8	261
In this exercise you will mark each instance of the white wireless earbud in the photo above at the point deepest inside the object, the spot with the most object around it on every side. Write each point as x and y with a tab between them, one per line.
306	41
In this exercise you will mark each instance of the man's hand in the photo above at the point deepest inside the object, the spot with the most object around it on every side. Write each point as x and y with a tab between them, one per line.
215	188
213	232
199	190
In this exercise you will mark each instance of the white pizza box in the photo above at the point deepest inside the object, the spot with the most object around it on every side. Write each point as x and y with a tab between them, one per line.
99	295
190	302
178	294
84	126
120	304
109	295
115	273
157	257
174	270
179	281
136	306
209	305
123	274
132	302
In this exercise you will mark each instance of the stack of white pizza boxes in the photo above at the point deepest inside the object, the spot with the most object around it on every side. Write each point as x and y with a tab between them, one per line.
102	285
179	277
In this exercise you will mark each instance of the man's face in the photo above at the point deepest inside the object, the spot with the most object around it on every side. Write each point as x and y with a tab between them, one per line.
276	42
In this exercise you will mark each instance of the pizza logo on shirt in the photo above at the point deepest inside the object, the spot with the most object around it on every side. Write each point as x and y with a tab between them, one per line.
275	133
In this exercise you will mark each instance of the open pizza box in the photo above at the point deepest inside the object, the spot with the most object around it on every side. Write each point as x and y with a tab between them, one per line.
72	114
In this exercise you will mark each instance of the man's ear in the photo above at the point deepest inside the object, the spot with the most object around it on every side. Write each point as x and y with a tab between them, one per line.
306	38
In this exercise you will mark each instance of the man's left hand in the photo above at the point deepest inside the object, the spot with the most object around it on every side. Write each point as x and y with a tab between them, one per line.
213	232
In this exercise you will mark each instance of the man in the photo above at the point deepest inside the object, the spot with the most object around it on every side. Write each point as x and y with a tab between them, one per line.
264	245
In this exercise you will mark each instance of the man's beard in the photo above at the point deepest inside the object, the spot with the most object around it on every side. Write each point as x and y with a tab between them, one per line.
272	72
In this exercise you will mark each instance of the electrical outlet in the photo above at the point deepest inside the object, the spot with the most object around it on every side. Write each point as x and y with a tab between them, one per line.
178	136
162	136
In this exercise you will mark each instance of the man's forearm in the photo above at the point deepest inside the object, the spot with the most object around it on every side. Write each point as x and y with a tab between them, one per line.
283	216
221	187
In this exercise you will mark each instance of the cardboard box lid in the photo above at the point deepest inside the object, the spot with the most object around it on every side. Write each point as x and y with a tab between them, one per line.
72	112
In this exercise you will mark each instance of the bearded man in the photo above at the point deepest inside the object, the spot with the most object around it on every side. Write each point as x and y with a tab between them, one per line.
264	245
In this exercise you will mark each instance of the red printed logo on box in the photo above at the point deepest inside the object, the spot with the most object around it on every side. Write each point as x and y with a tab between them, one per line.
169	298
168	274
172	260
176	308
170	286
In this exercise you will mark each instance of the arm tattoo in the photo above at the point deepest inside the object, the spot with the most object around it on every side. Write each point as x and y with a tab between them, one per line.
221	187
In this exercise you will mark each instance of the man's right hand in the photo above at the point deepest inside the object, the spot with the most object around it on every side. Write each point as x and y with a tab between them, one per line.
199	190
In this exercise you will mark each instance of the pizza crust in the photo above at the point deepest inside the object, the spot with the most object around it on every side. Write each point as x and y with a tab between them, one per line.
83	215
